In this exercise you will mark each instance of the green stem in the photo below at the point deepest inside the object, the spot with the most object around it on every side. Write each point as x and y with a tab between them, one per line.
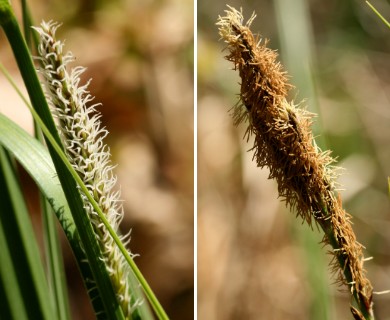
378	14
55	263
327	227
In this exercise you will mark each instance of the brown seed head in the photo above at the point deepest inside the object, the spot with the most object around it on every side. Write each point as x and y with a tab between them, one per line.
284	143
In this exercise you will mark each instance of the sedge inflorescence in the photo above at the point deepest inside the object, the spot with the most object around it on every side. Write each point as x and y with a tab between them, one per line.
284	143
79	127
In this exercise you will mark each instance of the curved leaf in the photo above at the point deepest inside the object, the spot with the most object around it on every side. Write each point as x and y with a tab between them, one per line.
36	160
20	241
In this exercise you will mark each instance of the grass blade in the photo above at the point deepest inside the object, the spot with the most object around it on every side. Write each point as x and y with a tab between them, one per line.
36	161
11	300
55	264
19	235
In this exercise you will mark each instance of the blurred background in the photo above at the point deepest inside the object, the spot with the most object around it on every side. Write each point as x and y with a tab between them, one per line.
139	55
255	259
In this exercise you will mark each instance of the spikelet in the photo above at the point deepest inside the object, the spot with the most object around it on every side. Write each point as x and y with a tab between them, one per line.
82	136
283	142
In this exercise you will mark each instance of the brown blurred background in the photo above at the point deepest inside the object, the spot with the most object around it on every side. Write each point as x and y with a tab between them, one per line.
139	55
255	260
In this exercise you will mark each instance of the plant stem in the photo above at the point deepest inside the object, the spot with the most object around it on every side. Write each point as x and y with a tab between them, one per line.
378	14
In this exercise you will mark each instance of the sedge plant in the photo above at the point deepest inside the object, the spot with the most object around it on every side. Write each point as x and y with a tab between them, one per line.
75	175
283	142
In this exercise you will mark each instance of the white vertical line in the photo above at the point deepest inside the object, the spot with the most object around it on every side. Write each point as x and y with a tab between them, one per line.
195	161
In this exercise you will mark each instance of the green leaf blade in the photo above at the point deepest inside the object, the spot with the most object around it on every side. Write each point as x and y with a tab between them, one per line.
22	245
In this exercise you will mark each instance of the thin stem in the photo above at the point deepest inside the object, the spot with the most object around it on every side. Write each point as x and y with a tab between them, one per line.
378	14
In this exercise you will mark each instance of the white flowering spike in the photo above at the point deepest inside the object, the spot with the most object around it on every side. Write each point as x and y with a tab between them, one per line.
79	127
